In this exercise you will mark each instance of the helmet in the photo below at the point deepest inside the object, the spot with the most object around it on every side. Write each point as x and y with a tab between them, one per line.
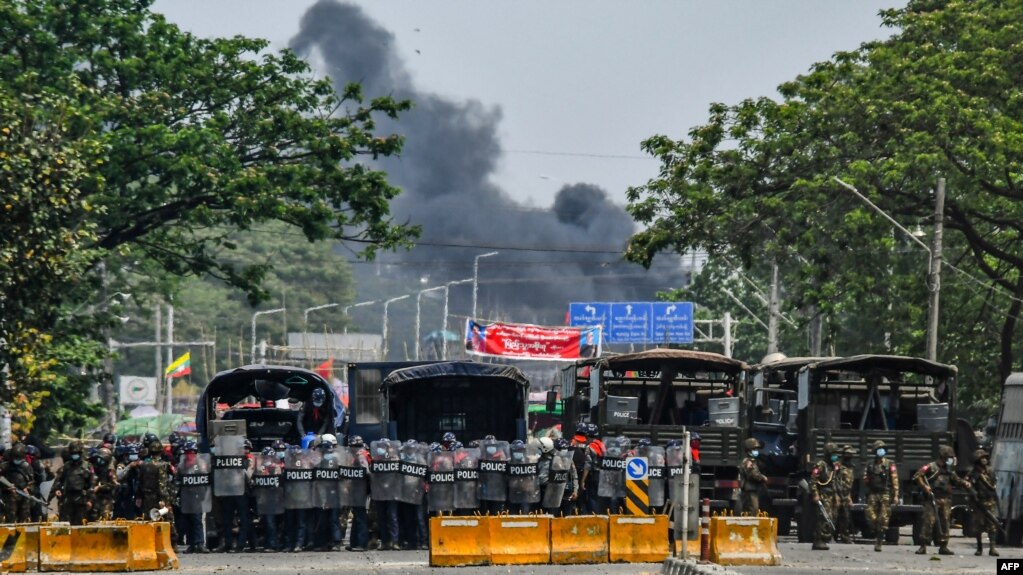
517	444
278	445
456	445
474	444
193	447
581	428
625	442
877	444
546	445
32	450
645	442
105	453
448	439
75	447
110	438
132	449
248	445
693	436
751	443
435	447
592	430
17	451
561	444
830	448
173	438
410	443
848	451
355	441
946	451
676	443
980	454
328	438
155	448
149	438
269	451
319	396
489	437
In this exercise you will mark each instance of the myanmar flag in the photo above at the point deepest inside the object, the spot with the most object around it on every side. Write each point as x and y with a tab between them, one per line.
181	367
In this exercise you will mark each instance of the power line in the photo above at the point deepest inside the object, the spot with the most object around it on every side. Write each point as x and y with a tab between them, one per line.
581	155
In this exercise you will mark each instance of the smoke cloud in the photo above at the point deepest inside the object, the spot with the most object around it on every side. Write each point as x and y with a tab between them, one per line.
446	171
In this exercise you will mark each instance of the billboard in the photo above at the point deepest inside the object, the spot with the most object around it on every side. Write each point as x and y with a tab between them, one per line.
137	390
526	341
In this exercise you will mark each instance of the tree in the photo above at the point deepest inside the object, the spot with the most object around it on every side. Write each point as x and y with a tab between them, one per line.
191	139
938	98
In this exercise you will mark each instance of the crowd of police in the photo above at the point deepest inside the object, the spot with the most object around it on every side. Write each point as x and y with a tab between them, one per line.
300	497
831	491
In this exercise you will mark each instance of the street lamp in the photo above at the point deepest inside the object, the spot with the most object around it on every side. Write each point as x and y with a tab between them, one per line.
444	323
476	278
305	323
383	355
254	316
345	309
419	298
934	263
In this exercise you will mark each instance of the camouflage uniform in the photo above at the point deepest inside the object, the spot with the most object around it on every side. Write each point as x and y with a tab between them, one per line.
18	471
73	486
154	484
751	480
824	489
985	499
844	495
106	486
881	479
936	479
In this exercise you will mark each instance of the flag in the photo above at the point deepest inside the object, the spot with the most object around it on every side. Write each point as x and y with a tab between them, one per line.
325	369
181	367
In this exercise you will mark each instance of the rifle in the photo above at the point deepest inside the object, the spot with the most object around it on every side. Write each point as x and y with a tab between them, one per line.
978	505
805	488
5	483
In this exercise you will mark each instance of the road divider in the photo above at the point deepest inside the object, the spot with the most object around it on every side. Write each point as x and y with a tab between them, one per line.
103	546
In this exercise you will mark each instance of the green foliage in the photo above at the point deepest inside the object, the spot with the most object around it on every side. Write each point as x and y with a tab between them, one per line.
170	144
939	98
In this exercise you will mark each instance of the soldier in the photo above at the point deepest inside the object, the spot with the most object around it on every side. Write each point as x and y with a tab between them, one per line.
106	485
154	484
823	495
985	502
17	470
751	480
41	474
73	486
196	495
936	480
844	495
881	478
126	506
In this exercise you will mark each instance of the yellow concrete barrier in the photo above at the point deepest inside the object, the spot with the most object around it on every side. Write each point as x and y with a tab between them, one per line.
98	548
166	558
579	539
13	549
638	539
520	539
458	541
744	541
54	547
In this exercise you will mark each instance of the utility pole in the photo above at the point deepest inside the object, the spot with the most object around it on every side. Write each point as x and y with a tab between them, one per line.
169	399
159	362
934	285
773	311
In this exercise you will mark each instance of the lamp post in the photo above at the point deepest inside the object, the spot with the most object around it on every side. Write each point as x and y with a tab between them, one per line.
933	263
444	323
305	323
419	298
383	355
345	309
476	278
254	316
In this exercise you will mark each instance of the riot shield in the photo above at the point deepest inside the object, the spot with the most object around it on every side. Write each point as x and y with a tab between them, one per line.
356	474
385	470
344	469
493	481
413	472
655	461
612	470
196	490
229	466
441	496
523	481
554	491
467	475
298	479
327	481
267	487
674	467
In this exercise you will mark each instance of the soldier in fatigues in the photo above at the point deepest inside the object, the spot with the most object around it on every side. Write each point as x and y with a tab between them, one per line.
751	480
844	495
985	504
881	479
17	470
106	485
154	482
823	495
73	486
936	480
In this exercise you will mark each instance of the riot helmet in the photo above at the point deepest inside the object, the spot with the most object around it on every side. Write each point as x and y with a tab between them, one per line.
318	397
592	430
546	445
677	443
191	447
447	440
645	442
456	445
268	451
103	457
475	443
355	441
518	450
561	444
489	437
155	448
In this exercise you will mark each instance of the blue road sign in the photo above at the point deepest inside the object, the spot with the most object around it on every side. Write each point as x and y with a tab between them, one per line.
586	314
673	322
637	468
630	323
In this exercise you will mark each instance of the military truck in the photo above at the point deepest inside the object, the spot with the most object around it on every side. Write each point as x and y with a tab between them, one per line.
658	394
1007	460
908	402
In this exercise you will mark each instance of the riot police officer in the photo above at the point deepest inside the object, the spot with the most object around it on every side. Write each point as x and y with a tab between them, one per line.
195	494
73	486
357	475
523	478
385	485
590	479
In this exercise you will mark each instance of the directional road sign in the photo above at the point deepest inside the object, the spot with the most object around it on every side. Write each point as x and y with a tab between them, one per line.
587	314
630	323
637	468
673	322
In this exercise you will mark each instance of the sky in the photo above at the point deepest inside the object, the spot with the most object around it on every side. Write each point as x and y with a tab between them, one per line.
528	120
578	84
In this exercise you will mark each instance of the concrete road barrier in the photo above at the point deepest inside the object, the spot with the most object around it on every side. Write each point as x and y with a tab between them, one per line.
520	539
638	539
459	541
744	541
579	539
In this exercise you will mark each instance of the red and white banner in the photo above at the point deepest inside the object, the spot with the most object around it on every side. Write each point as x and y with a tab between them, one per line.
527	341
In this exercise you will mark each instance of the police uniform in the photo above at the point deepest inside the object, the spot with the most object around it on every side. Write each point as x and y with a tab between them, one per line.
824	489
881	480
985	501
751	480
936	479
